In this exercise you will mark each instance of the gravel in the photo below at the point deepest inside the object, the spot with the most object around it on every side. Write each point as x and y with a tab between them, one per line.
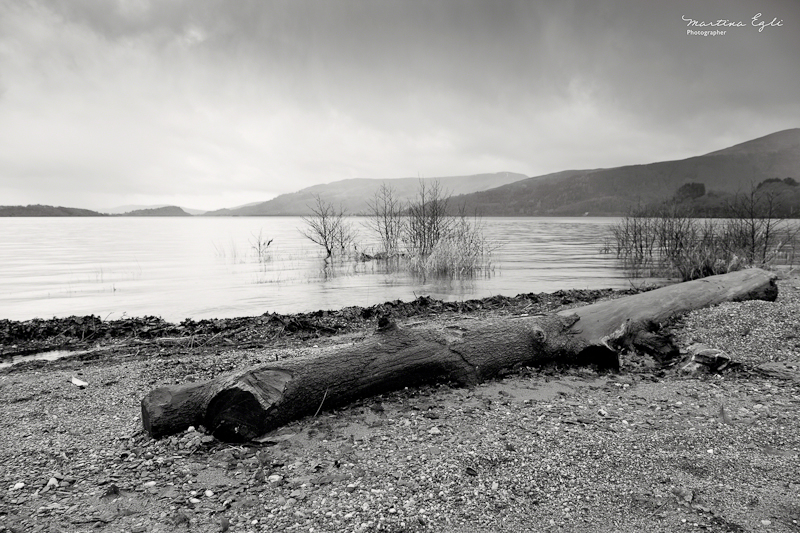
542	450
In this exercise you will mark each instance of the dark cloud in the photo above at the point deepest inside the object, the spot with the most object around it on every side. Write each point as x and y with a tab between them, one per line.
346	88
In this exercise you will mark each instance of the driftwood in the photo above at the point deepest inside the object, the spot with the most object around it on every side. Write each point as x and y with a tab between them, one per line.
246	404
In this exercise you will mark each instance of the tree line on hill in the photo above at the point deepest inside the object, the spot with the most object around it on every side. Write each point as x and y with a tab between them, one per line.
773	197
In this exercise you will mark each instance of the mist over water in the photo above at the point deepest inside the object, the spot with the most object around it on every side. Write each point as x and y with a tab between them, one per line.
199	267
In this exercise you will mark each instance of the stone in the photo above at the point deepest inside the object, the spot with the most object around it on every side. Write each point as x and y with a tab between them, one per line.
702	358
780	370
79	383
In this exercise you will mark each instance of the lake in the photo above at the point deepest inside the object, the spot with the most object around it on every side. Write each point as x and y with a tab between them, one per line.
206	267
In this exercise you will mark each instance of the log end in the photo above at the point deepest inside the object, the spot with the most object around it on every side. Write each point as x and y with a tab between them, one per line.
152	409
767	291
235	415
240	411
168	410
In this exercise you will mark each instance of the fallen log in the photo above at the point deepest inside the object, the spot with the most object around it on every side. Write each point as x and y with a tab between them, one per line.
244	405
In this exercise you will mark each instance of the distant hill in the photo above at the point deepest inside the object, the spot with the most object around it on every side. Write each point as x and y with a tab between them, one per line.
45	211
166	211
616	190
609	191
124	209
353	194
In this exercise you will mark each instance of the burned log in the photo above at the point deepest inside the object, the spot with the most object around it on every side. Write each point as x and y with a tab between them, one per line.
244	405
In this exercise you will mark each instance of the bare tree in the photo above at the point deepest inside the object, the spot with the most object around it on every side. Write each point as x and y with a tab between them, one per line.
755	224
386	219
328	227
427	218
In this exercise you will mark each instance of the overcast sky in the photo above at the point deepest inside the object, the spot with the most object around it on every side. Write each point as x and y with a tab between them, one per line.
209	104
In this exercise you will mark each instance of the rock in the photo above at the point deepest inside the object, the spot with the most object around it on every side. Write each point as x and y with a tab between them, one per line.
111	491
780	370
17	486
434	431
180	518
683	494
770	450
723	416
702	358
171	493
79	383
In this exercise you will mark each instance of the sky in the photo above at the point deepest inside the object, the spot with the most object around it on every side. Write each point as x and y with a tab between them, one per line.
212	103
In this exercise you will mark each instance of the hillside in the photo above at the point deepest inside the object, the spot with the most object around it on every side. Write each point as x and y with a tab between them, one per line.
45	211
166	211
353	194
615	190
125	209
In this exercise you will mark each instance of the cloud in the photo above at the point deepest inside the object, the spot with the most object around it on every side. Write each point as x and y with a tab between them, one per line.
243	100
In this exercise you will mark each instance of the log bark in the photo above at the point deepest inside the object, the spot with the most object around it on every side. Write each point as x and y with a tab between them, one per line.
244	405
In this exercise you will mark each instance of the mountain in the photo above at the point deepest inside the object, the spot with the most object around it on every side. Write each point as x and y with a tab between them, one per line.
615	190
50	211
166	211
125	209
45	211
353	194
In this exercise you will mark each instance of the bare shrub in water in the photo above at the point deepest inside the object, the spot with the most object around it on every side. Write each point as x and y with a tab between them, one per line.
329	228
463	252
427	222
386	221
424	239
667	241
260	247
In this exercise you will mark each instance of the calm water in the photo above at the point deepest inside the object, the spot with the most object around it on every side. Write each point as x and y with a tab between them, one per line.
197	267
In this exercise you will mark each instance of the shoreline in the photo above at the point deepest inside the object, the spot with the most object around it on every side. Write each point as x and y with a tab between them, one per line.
91	333
550	449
